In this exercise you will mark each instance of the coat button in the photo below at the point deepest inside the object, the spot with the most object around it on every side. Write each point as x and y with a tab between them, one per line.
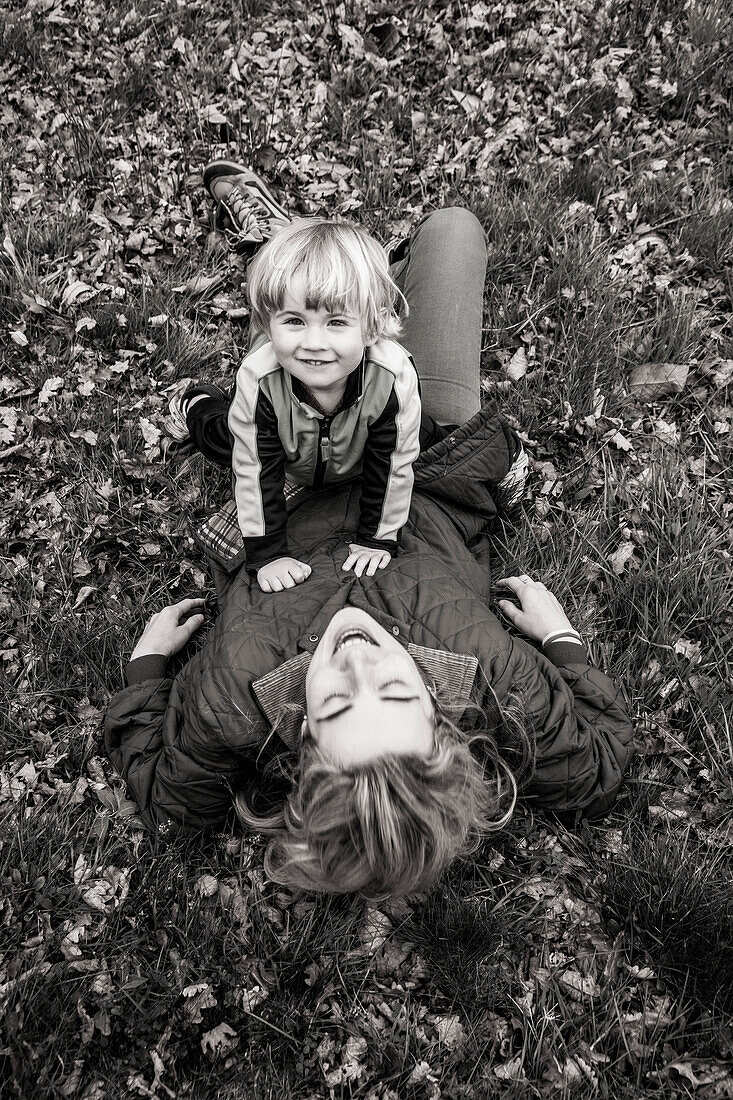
395	630
312	637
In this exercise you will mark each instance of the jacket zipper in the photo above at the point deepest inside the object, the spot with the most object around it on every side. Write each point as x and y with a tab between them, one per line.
324	452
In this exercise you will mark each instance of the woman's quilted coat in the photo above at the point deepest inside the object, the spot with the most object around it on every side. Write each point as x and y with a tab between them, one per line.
184	744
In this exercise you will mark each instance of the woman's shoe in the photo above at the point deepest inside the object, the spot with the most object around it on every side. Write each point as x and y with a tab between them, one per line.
246	209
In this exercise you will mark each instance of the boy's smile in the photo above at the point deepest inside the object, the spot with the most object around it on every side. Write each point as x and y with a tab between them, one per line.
319	347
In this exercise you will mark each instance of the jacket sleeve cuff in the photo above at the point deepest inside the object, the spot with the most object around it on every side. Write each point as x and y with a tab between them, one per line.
153	666
390	545
261	551
566	653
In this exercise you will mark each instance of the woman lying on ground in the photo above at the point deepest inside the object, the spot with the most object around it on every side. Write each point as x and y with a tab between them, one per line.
375	726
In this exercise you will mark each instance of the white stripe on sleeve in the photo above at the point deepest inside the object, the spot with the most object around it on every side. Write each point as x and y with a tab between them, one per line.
245	458
397	498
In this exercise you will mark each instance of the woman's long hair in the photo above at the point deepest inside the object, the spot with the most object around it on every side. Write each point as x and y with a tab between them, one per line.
390	826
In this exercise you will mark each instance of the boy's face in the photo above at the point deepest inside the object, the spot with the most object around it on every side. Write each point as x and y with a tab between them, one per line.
318	347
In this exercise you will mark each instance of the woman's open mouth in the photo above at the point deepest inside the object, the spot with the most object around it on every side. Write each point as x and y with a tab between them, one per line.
352	636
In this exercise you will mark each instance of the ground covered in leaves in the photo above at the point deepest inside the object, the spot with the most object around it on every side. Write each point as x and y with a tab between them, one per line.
593	138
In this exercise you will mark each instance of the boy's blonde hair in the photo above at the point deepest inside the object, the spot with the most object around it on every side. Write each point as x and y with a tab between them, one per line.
344	268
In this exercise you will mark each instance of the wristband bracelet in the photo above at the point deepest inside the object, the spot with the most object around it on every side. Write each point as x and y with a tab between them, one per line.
567	635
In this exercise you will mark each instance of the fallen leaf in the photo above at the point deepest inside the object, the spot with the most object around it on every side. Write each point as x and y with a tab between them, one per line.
516	368
511	1070
667	433
219	1041
450	1031
83	595
151	434
622	557
49	389
657	379
619	440
692	651
207	885
578	985
77	291
213	115
199	284
471	104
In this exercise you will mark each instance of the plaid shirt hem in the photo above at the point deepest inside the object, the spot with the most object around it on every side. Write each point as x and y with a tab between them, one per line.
219	535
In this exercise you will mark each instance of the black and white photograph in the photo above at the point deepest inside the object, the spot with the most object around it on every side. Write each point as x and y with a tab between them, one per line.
367	570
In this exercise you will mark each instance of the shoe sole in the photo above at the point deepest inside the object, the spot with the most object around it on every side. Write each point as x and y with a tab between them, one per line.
217	169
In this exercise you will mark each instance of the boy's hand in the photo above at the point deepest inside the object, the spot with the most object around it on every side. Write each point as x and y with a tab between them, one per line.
282	573
364	558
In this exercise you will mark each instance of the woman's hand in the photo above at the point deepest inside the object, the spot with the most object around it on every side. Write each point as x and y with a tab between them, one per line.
540	613
165	633
365	559
282	573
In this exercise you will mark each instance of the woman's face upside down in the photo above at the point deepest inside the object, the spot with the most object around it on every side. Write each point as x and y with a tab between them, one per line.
365	694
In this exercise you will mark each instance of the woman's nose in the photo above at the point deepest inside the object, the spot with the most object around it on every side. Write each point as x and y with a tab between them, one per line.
358	656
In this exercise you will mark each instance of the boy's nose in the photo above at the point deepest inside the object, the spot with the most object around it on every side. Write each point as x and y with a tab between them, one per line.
314	337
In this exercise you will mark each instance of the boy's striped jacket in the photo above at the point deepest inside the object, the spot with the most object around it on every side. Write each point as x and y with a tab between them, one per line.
278	435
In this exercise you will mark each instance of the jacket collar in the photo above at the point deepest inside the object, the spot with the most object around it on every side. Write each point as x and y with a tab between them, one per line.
352	393
281	693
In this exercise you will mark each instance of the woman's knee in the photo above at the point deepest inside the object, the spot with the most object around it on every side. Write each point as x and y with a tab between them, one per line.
458	228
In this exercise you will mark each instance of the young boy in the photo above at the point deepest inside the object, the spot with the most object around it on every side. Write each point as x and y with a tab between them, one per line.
324	395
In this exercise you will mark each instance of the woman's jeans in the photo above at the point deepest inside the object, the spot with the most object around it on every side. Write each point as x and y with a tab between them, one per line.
442	277
441	274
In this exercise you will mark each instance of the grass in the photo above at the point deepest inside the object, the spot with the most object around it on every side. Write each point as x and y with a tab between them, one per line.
588	963
677	893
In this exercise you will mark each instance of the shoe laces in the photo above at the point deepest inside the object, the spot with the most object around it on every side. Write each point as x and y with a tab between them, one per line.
252	222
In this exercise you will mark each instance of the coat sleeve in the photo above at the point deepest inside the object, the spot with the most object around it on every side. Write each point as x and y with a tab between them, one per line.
392	445
583	734
258	462
175	778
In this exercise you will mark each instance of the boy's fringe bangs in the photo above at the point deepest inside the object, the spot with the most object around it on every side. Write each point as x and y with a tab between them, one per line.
344	269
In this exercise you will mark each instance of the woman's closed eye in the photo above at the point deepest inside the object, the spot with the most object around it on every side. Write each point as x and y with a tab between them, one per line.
383	687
